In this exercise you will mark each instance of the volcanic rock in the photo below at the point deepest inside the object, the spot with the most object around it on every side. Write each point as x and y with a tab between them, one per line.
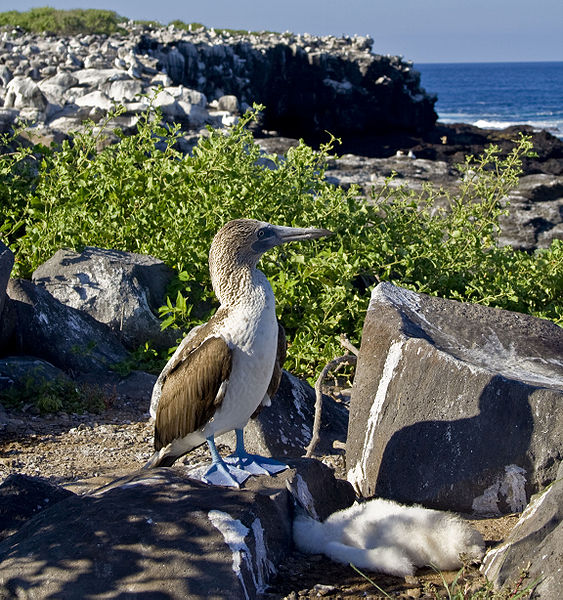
64	336
160	534
121	289
22	497
6	265
284	429
454	405
534	546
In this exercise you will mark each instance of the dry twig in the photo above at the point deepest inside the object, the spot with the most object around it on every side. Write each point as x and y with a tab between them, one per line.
335	364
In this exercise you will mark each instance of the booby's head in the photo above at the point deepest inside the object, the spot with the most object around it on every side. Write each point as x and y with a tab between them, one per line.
241	243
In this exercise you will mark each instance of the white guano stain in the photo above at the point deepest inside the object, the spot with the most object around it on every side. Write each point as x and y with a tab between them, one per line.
491	355
387	293
494	558
299	489
234	533
510	362
489	561
357	474
264	566
512	487
299	397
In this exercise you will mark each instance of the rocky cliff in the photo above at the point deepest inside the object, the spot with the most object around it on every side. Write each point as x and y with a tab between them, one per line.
309	84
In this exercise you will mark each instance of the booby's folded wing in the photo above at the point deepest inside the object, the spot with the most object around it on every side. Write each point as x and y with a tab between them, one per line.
186	345
278	365
192	390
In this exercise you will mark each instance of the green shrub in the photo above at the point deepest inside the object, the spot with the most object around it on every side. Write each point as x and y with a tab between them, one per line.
75	21
63	22
187	26
53	395
142	195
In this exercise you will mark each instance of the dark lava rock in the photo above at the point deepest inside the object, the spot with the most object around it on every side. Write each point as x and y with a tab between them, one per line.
158	534
455	405
22	497
534	546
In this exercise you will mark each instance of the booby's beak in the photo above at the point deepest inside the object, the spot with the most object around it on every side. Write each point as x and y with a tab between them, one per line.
269	235
296	234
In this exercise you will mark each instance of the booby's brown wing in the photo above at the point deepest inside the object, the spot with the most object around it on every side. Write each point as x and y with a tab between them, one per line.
280	359
194	387
278	369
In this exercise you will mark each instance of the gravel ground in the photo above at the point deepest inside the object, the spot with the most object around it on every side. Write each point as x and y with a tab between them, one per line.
82	452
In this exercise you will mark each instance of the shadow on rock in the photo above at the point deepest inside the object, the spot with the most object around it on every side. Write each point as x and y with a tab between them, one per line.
441	456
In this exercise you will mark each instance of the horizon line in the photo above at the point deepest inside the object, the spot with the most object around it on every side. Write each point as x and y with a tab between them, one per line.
479	62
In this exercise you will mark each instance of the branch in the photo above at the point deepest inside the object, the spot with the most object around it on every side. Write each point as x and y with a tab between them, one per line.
348	344
348	359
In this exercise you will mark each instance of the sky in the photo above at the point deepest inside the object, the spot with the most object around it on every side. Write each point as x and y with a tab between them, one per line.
419	30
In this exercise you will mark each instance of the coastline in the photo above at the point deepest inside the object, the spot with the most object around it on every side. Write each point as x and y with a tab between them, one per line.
496	95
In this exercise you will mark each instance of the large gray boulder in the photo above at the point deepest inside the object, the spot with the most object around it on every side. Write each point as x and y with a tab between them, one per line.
7	320
23	93
68	338
95	99
455	406
285	428
121	289
22	497
157	534
6	264
95	78
535	545
54	88
124	90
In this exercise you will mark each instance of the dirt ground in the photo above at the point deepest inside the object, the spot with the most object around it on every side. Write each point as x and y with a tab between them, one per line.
82	452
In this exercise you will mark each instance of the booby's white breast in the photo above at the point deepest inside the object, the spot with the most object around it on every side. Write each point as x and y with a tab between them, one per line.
251	330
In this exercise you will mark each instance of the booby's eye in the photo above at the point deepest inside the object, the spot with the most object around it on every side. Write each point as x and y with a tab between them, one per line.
264	240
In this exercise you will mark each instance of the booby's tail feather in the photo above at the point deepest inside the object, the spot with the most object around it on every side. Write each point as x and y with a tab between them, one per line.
161	458
156	460
167	456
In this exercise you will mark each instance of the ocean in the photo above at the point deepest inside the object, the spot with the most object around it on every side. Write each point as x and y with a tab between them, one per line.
496	95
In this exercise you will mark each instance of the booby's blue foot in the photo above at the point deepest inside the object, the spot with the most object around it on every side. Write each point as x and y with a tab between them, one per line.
219	473
253	463
222	474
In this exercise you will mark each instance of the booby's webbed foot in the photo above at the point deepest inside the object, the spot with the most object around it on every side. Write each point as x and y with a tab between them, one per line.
219	473
222	474
254	464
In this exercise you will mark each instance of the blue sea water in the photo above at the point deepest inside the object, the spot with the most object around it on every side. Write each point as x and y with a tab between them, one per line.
496	95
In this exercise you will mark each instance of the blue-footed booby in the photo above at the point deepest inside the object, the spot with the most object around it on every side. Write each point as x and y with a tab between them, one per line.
224	371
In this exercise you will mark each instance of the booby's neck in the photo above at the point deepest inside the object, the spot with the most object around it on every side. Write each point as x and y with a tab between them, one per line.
235	282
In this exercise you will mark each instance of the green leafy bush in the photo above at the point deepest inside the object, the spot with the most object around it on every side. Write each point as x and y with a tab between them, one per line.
63	22
186	26
75	21
142	195
53	395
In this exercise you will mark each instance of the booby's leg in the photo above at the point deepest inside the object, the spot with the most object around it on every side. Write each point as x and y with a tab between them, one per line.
252	463
220	473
